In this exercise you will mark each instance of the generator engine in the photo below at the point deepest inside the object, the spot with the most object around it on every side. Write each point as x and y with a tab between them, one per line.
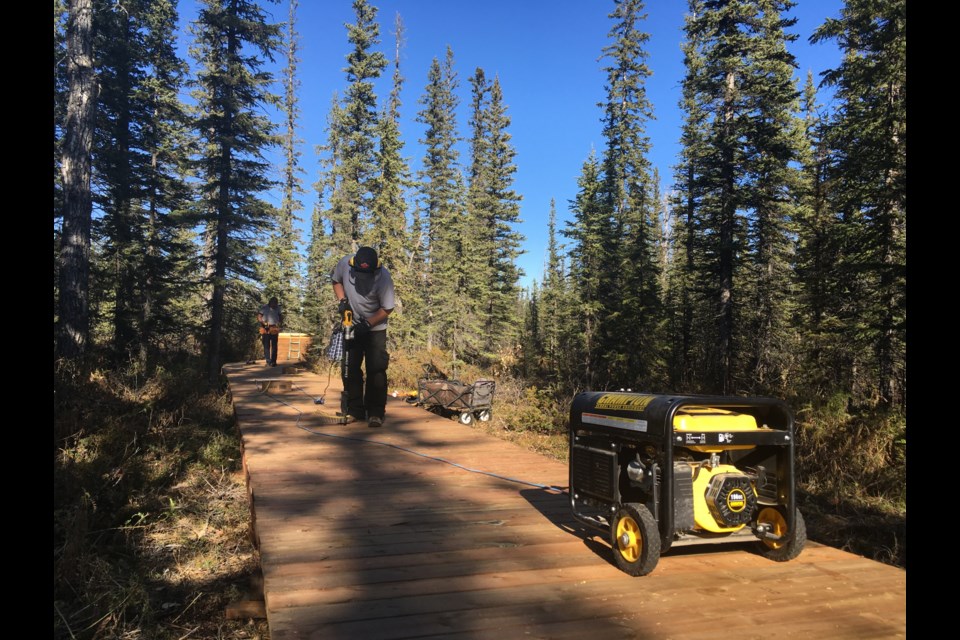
724	497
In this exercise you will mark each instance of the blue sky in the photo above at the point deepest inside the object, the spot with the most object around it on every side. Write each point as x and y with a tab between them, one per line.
546	55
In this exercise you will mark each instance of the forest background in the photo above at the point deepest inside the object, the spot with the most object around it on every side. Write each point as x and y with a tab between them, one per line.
766	257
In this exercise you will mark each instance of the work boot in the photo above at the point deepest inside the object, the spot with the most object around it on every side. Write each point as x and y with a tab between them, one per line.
375	421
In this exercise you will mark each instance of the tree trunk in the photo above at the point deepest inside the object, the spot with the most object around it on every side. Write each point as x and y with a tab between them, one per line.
74	304
726	249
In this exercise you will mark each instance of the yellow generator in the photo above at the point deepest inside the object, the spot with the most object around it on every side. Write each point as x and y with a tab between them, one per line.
662	471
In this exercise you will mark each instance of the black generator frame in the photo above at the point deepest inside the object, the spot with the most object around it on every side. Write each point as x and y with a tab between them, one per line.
601	447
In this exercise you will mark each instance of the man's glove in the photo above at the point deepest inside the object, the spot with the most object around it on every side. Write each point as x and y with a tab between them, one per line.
361	328
343	306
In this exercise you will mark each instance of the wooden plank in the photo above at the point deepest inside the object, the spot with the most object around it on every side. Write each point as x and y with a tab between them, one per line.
373	534
682	612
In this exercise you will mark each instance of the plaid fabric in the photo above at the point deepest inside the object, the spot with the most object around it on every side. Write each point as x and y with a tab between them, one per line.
335	350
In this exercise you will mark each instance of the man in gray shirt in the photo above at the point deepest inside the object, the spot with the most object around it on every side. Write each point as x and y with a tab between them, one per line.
364	286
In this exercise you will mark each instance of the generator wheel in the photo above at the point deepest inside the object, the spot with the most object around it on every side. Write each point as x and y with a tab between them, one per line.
484	415
635	540
792	543
466	417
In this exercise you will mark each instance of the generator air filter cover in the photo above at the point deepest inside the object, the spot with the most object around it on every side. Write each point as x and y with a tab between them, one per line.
731	499
723	498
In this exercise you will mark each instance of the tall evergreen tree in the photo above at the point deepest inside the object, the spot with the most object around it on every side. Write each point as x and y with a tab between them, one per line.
746	184
821	290
477	243
388	230
776	145
358	165
317	293
552	299
488	244
169	272
629	287
530	338
74	266
725	48
500	221
329	238
559	320
662	233
414	325
867	169
119	162
388	221
233	41
686	296
280	271
442	195
140	161
589	258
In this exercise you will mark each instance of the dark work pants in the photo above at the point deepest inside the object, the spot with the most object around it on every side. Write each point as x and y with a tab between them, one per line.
370	350
270	343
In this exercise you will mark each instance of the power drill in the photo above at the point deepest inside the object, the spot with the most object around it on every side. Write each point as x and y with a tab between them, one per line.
347	323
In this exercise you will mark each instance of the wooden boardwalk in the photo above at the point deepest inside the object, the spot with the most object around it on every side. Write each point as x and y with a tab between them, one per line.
401	532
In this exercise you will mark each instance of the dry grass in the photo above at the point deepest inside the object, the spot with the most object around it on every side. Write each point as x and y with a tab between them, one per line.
151	513
851	465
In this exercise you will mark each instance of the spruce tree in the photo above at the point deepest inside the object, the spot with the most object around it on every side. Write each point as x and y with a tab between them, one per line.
329	235
317	293
629	287
725	48
358	162
388	231
776	144
140	163
489	244
530	339
867	171
168	280
821	291
589	232
501	220
687	296
414	325
745	183
560	319
233	42
477	246
280	270
552	299
119	162
442	196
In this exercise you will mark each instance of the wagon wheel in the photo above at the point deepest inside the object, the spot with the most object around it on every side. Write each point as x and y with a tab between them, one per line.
466	417
790	544
484	415
635	540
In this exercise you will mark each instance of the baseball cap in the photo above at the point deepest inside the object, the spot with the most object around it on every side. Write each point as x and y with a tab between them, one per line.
366	260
